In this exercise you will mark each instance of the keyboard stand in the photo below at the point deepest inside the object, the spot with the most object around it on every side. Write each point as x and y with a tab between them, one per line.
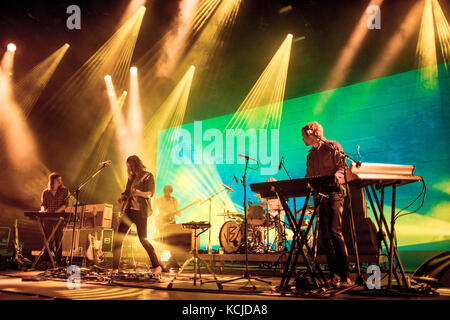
300	246
46	241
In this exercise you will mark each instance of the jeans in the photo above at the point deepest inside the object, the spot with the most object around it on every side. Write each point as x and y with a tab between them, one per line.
140	219
330	224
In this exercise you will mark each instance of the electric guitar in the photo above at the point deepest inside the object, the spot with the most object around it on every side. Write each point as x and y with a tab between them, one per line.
18	257
94	251
162	218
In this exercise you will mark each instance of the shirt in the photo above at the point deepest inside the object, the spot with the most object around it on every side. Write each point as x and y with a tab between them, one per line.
51	202
324	161
145	184
166	206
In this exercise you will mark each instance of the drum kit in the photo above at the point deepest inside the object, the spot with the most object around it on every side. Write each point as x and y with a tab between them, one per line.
266	230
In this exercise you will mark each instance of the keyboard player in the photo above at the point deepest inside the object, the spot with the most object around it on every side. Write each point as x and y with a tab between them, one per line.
54	198
322	160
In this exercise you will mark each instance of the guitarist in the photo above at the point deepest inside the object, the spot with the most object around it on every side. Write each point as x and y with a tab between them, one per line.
167	207
136	209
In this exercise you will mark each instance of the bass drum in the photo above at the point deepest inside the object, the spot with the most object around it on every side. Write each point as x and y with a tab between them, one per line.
230	236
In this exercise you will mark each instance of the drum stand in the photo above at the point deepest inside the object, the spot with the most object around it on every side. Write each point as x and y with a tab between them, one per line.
196	260
246	275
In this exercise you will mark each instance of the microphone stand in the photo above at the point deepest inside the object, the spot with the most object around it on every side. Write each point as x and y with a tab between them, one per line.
246	274
77	195
210	199
343	156
282	164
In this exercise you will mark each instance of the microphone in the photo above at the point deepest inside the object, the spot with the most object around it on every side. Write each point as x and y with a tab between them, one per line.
227	187
281	162
236	179
104	163
246	157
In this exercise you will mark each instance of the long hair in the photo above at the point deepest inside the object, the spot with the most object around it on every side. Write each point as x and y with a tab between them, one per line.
51	180
136	165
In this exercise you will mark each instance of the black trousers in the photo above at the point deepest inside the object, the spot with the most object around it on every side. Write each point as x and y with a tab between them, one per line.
140	220
330	224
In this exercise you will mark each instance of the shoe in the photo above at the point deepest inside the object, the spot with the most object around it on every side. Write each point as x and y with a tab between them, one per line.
156	270
335	281
347	283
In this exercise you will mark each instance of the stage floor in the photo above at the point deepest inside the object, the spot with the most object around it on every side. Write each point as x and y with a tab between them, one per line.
20	285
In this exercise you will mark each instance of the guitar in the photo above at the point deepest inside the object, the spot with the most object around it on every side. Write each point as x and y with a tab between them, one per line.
94	251
161	219
18	257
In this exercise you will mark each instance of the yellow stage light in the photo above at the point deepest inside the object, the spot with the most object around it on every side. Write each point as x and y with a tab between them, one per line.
392	50
11	47
133	70
337	75
443	31
30	87
108	78
79	103
426	50
169	115
267	92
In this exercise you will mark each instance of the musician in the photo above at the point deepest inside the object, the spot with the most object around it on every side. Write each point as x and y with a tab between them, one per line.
55	198
167	207
322	161
136	200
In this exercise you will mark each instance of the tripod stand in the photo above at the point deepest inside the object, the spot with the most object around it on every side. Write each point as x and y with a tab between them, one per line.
246	275
196	258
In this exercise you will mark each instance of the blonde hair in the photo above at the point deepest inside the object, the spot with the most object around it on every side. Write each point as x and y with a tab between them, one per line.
315	127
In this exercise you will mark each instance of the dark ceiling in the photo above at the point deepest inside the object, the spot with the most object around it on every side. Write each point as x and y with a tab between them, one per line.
38	28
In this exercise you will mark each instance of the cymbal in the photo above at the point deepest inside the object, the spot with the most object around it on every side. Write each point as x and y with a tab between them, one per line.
226	214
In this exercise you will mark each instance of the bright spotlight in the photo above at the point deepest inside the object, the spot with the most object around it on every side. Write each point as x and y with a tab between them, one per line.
290	36
108	78
165	256
133	70
11	47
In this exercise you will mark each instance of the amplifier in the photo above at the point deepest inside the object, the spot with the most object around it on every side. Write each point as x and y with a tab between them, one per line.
81	241
71	210
97	215
92	216
5	235
179	239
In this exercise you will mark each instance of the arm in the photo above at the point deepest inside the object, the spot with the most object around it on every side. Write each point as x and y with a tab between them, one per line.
148	188
340	164
43	202
309	171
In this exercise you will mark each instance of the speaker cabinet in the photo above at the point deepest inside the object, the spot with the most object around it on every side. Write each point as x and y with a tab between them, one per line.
435	271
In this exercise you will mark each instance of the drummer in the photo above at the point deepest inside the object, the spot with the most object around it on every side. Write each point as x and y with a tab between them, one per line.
277	214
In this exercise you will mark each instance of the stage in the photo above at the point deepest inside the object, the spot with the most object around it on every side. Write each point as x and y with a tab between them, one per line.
19	285
305	143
